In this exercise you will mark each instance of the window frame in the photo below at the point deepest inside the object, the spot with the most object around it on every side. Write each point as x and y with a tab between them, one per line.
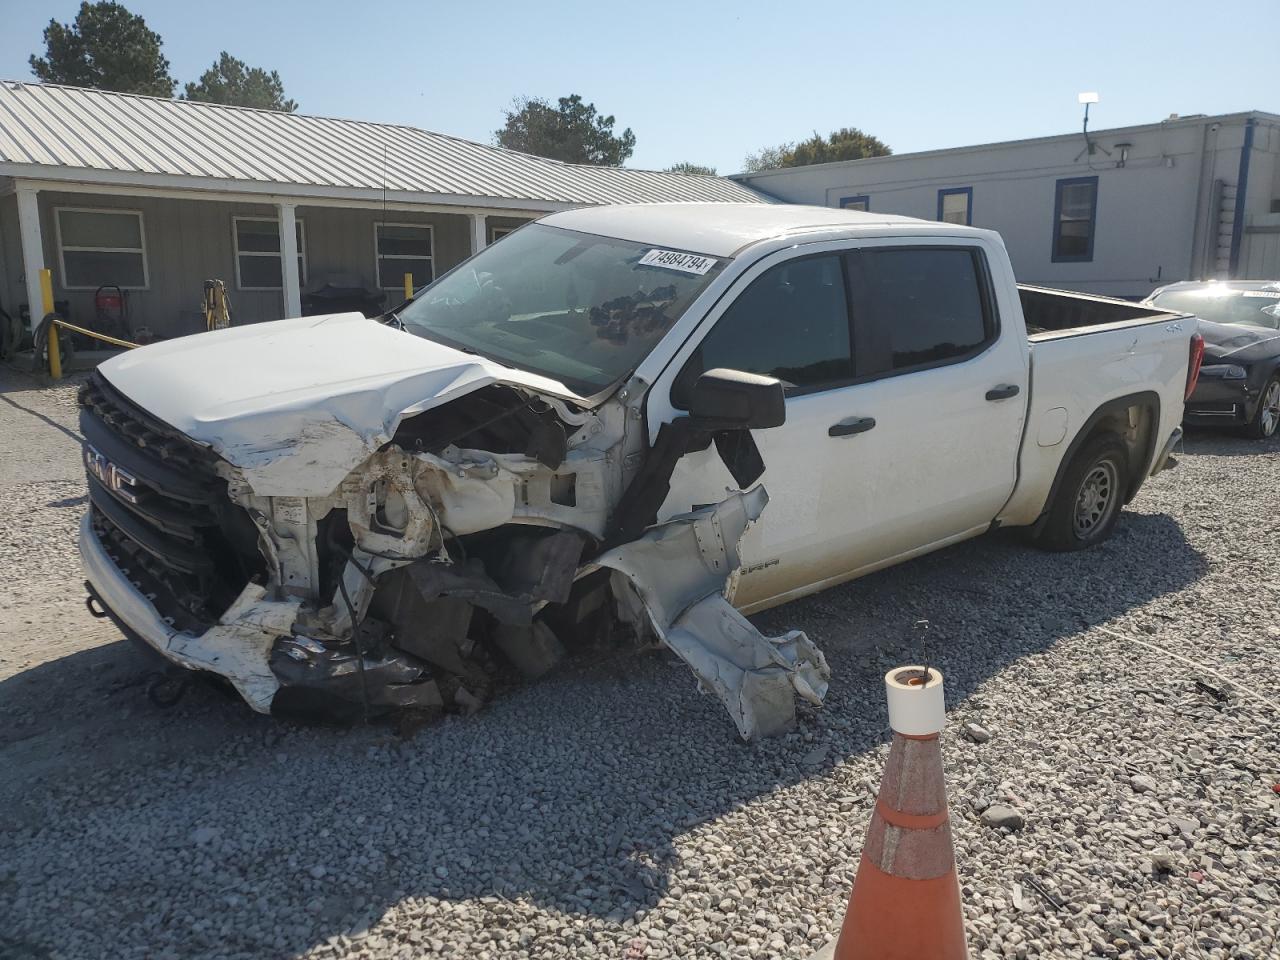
1058	190
379	257
862	198
238	253
967	193
857	305
142	250
497	233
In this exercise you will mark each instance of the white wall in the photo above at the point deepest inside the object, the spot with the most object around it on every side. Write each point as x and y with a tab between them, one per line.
1154	223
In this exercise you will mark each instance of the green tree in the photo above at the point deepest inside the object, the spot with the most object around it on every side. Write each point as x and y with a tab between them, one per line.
694	168
847	143
234	82
106	47
768	158
571	131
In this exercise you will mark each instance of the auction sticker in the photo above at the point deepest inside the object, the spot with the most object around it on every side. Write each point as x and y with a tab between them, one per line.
673	260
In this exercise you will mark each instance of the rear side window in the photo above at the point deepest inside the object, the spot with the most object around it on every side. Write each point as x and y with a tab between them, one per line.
791	323
916	307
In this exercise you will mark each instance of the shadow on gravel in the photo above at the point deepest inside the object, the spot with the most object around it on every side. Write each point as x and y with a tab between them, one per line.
1204	441
572	793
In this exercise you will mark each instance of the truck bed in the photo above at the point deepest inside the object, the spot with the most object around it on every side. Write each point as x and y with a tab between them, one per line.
1087	352
1057	313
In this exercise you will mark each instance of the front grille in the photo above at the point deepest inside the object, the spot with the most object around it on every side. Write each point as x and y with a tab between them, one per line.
162	512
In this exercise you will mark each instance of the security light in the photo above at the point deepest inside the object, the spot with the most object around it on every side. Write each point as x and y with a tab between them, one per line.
1090	148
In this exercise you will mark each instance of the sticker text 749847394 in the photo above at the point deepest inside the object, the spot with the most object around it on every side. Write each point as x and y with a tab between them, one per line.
674	260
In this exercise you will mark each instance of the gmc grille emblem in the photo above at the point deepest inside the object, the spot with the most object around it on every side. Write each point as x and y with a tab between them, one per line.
118	481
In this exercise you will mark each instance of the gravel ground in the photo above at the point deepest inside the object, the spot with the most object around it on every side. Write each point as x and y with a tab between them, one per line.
608	811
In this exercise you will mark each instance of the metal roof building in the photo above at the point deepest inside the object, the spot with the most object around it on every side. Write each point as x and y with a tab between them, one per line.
138	192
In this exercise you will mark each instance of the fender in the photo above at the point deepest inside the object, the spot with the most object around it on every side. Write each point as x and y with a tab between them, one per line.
1145	398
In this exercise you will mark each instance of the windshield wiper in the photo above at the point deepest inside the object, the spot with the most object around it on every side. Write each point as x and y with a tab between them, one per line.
394	319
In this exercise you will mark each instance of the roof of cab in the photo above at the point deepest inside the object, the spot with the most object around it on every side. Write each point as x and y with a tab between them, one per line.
717	229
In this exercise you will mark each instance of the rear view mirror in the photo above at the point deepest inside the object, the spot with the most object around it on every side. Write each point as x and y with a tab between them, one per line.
733	400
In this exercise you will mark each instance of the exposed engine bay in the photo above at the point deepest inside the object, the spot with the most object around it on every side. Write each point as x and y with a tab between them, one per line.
490	535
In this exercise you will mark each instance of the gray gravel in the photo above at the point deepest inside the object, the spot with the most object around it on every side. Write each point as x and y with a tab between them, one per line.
609	812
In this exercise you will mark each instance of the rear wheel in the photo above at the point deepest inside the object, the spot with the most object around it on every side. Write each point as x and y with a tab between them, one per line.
1266	419
1087	504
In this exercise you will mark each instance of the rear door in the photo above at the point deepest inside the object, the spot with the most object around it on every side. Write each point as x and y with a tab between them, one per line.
940	402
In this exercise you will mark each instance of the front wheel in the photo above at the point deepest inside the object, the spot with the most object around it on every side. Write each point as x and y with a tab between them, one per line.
1266	419
1087	505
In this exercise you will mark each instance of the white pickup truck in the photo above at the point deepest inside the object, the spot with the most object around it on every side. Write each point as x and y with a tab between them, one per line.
570	436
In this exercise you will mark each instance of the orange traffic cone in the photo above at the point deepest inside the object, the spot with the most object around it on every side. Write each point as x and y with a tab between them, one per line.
905	903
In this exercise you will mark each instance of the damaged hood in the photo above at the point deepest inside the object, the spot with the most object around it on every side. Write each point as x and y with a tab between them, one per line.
298	403
1238	342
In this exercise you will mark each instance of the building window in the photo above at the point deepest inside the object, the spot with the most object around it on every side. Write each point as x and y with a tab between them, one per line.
497	233
1075	214
101	247
860	202
403	248
955	205
258	253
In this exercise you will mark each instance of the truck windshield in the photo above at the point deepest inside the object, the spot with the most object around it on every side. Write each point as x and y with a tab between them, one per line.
574	307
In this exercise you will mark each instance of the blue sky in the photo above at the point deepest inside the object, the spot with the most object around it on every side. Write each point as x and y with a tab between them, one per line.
709	82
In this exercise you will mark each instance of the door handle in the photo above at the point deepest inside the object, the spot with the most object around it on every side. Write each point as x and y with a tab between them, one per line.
1003	392
846	428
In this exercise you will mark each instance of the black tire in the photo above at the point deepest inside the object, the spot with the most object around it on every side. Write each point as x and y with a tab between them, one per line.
1266	419
1089	499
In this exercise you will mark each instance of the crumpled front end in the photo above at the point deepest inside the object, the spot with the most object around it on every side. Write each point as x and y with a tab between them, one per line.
478	543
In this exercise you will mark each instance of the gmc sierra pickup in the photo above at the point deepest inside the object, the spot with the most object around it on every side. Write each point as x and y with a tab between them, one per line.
570	436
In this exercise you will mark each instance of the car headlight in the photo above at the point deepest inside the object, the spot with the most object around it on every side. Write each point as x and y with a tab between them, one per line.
1224	371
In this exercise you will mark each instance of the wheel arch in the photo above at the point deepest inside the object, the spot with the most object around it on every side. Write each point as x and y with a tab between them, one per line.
1135	418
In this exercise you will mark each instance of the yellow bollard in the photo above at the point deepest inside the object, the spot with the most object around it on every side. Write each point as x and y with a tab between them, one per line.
408	286
55	352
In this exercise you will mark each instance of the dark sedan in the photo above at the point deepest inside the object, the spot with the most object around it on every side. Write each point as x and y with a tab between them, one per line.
1240	380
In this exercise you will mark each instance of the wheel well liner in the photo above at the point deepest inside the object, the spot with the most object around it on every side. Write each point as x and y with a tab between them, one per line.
1100	420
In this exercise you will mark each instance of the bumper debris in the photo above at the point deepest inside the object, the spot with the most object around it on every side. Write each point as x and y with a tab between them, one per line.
683	573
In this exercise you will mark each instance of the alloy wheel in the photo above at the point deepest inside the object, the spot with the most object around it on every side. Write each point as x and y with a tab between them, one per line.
1269	415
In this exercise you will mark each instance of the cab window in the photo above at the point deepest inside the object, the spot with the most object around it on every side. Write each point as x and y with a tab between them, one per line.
916	307
791	323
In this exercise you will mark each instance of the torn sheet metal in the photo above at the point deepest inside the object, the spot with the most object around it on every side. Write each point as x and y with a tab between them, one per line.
237	647
756	677
684	572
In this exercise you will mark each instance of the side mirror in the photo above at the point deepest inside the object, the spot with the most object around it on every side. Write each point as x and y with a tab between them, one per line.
734	400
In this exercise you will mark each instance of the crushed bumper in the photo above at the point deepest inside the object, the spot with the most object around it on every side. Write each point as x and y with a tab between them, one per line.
676	580
237	648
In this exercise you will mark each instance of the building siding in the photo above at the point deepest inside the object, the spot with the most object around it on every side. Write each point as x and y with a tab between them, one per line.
1155	219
